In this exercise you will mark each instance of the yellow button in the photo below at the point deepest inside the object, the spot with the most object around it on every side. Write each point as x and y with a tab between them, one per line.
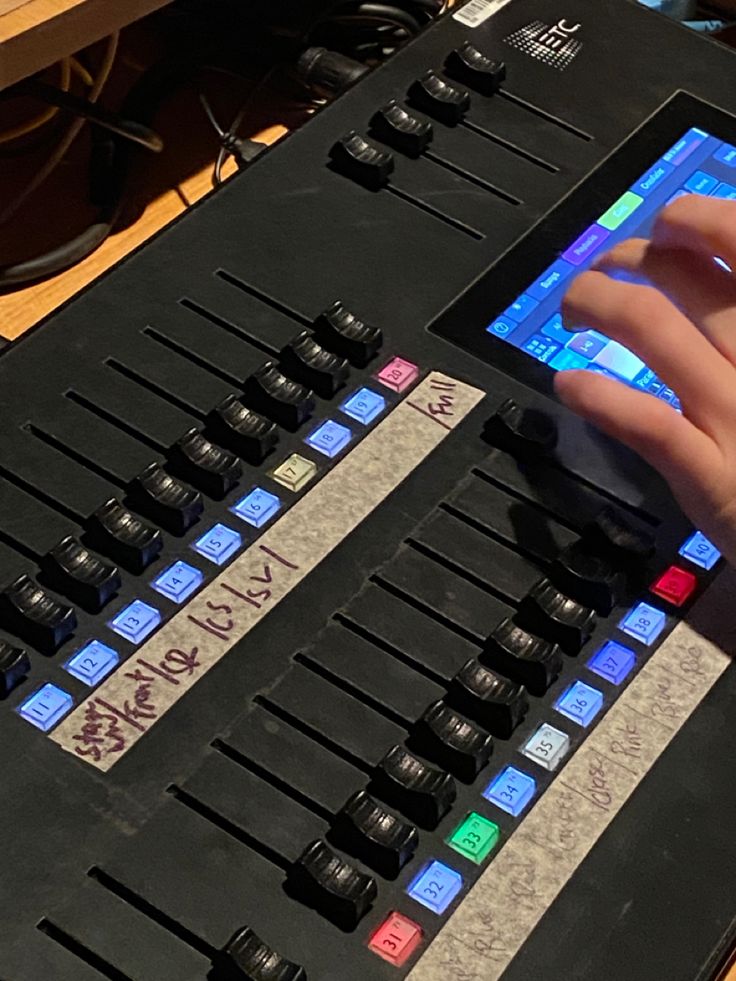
294	472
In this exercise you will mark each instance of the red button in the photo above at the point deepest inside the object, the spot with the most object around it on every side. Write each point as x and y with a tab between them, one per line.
675	585
396	939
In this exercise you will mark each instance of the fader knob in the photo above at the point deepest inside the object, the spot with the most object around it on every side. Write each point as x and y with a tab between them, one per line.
336	888
166	500
456	744
340	330
497	703
308	362
72	570
470	66
382	840
589	578
402	131
206	466
116	532
530	660
419	791
35	616
245	957
244	431
614	533
438	98
356	158
521	431
547	611
271	393
14	666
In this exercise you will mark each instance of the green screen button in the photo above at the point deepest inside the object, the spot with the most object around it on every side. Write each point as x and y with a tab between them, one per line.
475	838
620	211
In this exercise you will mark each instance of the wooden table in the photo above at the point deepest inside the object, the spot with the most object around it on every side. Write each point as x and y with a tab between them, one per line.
36	33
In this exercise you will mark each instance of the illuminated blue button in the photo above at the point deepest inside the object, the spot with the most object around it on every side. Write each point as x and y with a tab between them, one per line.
547	746
554	329
701	183
136	621
436	886
587	344
580	702
685	146
700	551
329	438
521	308
92	663
541	348
218	544
566	360
178	582
502	327
613	662
364	405
550	279
726	191
726	154
257	507
45	707
651	180
511	790
644	622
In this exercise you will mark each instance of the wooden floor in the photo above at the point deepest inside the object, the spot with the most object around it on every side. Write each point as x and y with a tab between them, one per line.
162	186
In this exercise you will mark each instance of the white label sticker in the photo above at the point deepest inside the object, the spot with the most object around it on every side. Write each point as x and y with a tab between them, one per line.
477	12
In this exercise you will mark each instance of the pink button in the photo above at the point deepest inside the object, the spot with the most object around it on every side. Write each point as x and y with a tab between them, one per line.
398	374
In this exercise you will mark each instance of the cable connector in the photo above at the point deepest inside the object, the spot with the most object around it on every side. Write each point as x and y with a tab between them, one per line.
328	73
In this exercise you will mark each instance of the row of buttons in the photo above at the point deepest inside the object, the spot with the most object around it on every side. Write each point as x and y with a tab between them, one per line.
437	884
138	620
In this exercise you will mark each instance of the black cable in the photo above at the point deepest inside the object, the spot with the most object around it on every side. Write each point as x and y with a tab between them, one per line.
389	12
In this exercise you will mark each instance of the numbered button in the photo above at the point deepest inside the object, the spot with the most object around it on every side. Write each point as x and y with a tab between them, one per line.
511	790
396	939
178	582
92	663
580	702
364	405
45	707
257	507
700	551
645	623
436	886
295	472
136	621
613	661
547	747
329	438
398	374
219	544
475	838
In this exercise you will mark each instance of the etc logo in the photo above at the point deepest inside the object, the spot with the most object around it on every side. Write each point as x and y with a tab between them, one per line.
555	45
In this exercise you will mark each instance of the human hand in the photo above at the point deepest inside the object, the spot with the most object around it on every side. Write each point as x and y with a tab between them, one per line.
683	326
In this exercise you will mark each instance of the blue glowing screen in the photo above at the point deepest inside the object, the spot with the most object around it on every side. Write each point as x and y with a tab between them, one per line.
697	164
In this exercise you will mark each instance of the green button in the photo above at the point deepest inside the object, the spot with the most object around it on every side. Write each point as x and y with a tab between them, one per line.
475	838
620	211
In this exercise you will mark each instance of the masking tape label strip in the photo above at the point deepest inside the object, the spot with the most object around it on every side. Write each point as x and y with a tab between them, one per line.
130	702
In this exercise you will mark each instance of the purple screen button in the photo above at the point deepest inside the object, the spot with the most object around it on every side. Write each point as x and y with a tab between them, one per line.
588	242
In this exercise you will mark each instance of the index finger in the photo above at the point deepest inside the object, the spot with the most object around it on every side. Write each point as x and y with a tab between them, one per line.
699	224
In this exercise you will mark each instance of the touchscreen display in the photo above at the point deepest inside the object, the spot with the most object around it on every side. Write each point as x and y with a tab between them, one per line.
697	163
